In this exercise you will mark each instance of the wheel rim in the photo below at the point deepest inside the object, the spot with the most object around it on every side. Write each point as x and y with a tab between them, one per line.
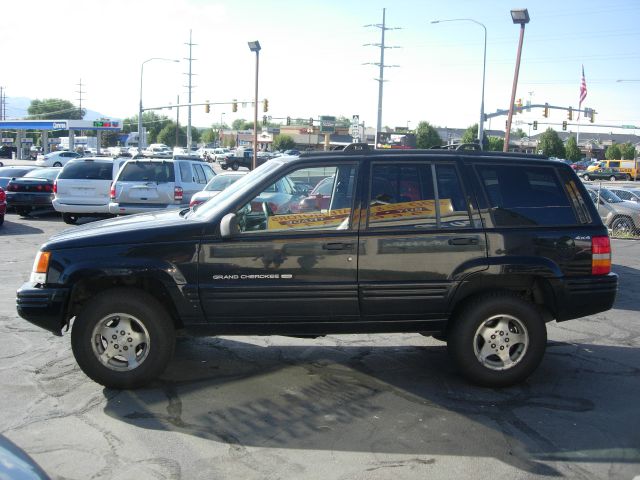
621	226
613	179
501	342
120	342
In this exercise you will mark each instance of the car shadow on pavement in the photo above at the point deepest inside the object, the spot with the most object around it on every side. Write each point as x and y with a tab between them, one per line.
13	226
265	392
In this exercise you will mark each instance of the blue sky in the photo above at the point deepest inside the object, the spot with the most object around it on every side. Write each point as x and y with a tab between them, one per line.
311	61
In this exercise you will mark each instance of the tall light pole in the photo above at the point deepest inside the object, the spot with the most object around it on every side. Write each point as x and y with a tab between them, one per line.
521	17
140	108
484	70
220	132
255	47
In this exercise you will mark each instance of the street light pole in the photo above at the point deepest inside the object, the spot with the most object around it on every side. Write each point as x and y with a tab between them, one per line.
255	47
484	70
140	106
520	16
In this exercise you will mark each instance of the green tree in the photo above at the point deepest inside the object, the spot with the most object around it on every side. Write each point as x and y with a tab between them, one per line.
470	134
427	136
628	151
209	136
283	142
573	153
550	144
241	124
55	108
167	135
518	133
613	152
151	122
495	144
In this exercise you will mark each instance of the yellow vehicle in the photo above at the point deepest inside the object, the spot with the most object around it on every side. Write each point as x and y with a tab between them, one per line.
630	167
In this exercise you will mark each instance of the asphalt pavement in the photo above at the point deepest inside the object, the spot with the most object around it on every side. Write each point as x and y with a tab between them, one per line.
339	407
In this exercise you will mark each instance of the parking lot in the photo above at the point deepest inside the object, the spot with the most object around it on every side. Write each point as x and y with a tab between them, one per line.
344	406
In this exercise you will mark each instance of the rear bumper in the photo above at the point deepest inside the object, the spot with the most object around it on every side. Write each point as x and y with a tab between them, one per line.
79	208
18	199
44	307
579	297
131	208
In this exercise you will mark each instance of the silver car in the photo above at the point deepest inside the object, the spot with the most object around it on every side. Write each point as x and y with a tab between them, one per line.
631	194
146	185
621	216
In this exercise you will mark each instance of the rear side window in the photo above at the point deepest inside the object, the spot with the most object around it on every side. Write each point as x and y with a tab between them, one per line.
87	171
160	172
525	196
185	172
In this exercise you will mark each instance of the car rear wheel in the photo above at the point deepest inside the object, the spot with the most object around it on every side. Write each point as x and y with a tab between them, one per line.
235	166
612	178
123	338
23	211
57	164
224	167
497	339
586	177
627	177
70	218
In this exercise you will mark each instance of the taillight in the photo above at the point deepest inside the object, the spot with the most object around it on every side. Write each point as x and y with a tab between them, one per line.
3	196
195	202
177	193
112	192
55	186
600	255
47	188
11	188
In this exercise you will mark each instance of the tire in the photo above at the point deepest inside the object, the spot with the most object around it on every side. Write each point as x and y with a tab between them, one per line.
235	166
1	219
142	322
224	167
586	177
23	211
627	177
621	226
70	218
516	327
57	164
612	178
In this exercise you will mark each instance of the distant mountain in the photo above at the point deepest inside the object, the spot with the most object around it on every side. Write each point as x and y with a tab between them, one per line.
17	108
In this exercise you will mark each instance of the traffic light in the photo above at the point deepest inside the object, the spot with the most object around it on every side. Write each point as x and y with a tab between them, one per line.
535	124
519	106
570	113
593	115
264	120
311	121
564	125
265	105
545	114
207	108
234	106
288	121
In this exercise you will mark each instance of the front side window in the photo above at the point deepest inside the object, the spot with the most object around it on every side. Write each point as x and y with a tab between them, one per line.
525	196
417	195
291	204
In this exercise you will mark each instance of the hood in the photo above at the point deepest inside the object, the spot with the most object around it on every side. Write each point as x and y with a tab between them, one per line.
133	229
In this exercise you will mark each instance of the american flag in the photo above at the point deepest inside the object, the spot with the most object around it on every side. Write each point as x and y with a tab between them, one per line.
583	90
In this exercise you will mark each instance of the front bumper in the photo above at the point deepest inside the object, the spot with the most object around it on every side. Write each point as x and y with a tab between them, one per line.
579	297
44	307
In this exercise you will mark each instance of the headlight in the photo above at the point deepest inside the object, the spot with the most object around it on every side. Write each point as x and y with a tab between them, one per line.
40	266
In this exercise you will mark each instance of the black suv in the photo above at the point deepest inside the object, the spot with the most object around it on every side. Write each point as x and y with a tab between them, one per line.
477	249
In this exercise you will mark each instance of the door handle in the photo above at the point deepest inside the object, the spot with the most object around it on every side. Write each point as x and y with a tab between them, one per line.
463	241
337	246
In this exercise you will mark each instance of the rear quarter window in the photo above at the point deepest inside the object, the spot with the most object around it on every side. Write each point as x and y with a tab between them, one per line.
525	195
87	171
160	172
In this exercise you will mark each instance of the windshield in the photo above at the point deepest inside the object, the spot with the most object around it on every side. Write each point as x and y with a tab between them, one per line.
609	196
46	173
229	195
220	182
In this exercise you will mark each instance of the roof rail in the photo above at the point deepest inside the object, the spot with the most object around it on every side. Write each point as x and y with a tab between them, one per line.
357	147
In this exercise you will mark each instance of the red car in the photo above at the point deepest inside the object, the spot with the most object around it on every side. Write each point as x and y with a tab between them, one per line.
3	205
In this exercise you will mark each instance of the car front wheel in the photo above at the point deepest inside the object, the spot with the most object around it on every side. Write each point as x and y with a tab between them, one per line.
70	218
57	164
612	178
586	177
622	226
235	166
497	339
123	338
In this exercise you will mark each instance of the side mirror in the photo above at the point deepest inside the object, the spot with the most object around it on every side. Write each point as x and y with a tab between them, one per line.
229	226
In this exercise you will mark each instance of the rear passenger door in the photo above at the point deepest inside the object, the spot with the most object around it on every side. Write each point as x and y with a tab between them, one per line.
420	236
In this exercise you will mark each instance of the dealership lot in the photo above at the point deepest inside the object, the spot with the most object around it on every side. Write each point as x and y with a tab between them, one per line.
344	406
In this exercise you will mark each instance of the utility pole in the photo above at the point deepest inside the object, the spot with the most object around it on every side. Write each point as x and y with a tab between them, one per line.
383	28
80	92
2	103
190	86
178	120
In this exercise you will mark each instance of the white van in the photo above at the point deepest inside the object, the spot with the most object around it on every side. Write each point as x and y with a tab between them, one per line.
83	185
